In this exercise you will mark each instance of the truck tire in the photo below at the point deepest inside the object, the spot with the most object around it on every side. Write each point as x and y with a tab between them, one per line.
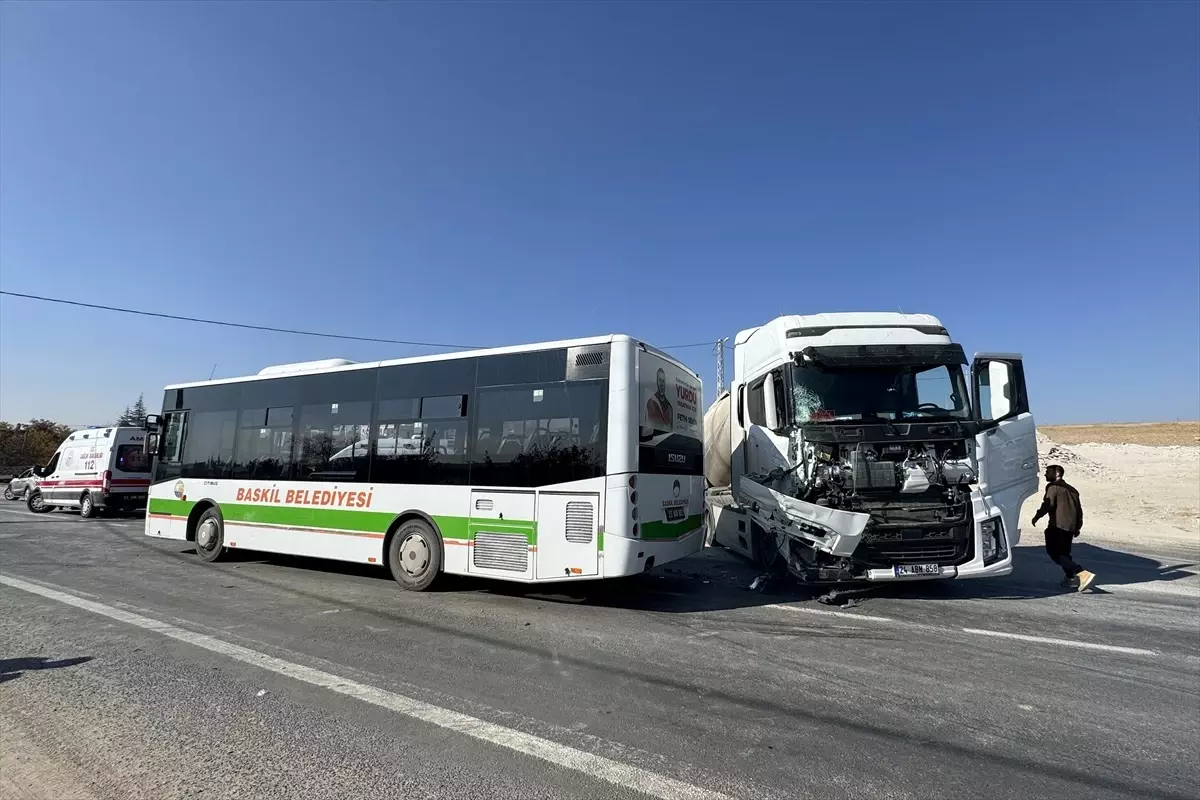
210	535
87	506
36	503
415	555
766	551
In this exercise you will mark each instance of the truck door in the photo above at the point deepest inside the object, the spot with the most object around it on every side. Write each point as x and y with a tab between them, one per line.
1006	445
766	410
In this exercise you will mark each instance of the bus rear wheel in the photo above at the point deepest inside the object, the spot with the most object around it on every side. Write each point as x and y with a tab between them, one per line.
210	535
415	555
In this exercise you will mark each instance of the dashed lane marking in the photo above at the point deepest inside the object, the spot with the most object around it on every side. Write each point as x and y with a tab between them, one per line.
1133	651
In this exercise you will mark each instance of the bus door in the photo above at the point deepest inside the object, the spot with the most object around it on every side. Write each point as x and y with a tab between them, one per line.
502	533
568	541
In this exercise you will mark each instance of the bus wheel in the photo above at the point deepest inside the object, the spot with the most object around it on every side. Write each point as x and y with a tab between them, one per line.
87	508
210	535
35	503
415	555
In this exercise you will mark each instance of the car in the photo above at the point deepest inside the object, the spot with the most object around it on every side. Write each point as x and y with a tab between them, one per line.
19	485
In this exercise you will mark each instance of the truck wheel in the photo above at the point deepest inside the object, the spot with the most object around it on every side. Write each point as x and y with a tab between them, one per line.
8	493
36	503
415	555
210	535
766	552
87	507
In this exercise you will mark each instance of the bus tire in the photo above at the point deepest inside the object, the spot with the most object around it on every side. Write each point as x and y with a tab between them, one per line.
36	503
87	506
210	535
415	555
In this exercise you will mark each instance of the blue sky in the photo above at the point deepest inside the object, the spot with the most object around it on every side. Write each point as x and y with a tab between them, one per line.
495	173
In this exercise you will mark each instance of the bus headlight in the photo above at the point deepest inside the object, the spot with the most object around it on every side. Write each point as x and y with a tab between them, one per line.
995	545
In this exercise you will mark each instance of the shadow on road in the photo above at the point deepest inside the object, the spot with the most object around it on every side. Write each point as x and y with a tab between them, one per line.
13	668
717	580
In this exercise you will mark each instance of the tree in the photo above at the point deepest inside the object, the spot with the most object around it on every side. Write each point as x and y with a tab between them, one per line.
33	442
138	418
133	417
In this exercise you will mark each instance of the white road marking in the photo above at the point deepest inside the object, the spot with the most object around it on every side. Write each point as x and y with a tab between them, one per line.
1135	651
1181	587
598	767
75	519
29	514
846	616
843	615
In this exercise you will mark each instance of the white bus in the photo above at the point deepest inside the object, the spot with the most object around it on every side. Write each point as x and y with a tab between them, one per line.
569	460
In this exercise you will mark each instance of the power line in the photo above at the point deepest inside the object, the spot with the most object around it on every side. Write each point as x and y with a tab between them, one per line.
268	328
223	323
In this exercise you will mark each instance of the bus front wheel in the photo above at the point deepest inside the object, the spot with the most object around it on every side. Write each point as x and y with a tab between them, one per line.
415	555
210	535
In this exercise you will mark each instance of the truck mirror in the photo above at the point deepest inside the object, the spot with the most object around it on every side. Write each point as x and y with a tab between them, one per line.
772	412
152	422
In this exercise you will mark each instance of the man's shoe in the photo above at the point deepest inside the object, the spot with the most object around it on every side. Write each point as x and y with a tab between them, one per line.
1070	583
1085	579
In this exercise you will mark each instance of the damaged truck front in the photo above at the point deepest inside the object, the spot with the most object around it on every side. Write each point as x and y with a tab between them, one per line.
852	447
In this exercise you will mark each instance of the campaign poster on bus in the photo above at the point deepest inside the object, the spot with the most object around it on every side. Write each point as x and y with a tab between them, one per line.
669	398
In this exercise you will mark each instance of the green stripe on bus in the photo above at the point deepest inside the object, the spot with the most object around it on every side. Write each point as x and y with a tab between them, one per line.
456	528
671	530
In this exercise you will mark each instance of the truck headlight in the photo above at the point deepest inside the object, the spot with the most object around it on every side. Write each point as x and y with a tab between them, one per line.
995	545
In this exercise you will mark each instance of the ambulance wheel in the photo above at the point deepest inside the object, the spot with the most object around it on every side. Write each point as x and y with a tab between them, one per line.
87	507
35	503
415	555
210	535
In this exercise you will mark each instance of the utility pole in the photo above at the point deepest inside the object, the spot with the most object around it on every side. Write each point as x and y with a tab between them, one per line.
719	351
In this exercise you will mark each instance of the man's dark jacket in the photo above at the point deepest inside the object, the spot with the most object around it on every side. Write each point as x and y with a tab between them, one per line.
1062	506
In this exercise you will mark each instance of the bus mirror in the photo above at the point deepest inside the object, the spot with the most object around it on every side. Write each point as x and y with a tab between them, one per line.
152	421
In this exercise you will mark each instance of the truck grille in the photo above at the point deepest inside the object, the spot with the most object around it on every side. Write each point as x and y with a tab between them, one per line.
947	547
924	554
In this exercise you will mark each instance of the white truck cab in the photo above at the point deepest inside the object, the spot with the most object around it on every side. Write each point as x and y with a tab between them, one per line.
94	469
857	446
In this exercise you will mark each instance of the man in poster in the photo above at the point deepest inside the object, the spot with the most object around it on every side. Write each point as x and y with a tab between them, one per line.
658	407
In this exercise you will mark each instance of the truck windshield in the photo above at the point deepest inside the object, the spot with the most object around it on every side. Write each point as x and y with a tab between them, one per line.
824	394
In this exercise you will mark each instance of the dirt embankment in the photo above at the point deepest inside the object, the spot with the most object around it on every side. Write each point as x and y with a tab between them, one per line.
1153	434
1135	494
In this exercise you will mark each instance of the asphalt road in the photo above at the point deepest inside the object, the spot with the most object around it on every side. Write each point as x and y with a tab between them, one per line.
129	668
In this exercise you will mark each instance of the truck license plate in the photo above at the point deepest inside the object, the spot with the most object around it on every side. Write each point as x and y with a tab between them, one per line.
913	570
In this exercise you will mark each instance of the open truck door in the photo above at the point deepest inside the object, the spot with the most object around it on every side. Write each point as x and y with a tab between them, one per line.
1006	445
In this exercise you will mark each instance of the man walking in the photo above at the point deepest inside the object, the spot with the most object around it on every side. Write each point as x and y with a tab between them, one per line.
1062	506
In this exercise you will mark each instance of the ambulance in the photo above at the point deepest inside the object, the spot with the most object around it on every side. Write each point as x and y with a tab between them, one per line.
95	469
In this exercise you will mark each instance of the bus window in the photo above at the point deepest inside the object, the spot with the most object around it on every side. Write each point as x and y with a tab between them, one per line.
537	435
264	452
333	444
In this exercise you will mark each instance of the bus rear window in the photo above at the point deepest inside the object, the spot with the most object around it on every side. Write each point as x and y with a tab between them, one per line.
130	458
